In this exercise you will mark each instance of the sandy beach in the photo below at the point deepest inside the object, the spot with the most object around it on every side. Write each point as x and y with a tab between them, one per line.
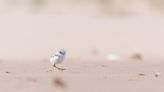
112	45
84	76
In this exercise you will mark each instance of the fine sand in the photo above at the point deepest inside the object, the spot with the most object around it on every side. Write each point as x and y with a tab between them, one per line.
82	76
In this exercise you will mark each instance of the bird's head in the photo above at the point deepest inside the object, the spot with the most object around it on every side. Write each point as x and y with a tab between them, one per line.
62	51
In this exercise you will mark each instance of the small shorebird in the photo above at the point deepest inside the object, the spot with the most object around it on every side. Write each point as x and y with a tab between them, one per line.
58	58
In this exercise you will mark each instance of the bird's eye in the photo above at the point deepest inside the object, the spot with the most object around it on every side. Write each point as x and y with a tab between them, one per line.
61	52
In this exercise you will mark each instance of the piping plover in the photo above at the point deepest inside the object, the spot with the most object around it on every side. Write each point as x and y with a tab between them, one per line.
58	58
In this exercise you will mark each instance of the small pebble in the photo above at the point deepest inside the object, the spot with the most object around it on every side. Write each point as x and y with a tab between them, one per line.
141	74
7	72
57	82
158	74
113	57
137	56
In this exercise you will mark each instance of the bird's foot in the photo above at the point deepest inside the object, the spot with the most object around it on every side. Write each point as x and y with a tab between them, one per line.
61	69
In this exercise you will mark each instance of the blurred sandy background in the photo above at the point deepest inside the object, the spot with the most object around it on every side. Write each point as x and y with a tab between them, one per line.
34	29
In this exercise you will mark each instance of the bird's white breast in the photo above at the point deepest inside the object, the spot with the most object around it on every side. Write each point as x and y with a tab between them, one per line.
57	59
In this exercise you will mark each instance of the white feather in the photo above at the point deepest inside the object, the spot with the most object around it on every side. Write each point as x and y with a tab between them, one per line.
57	58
